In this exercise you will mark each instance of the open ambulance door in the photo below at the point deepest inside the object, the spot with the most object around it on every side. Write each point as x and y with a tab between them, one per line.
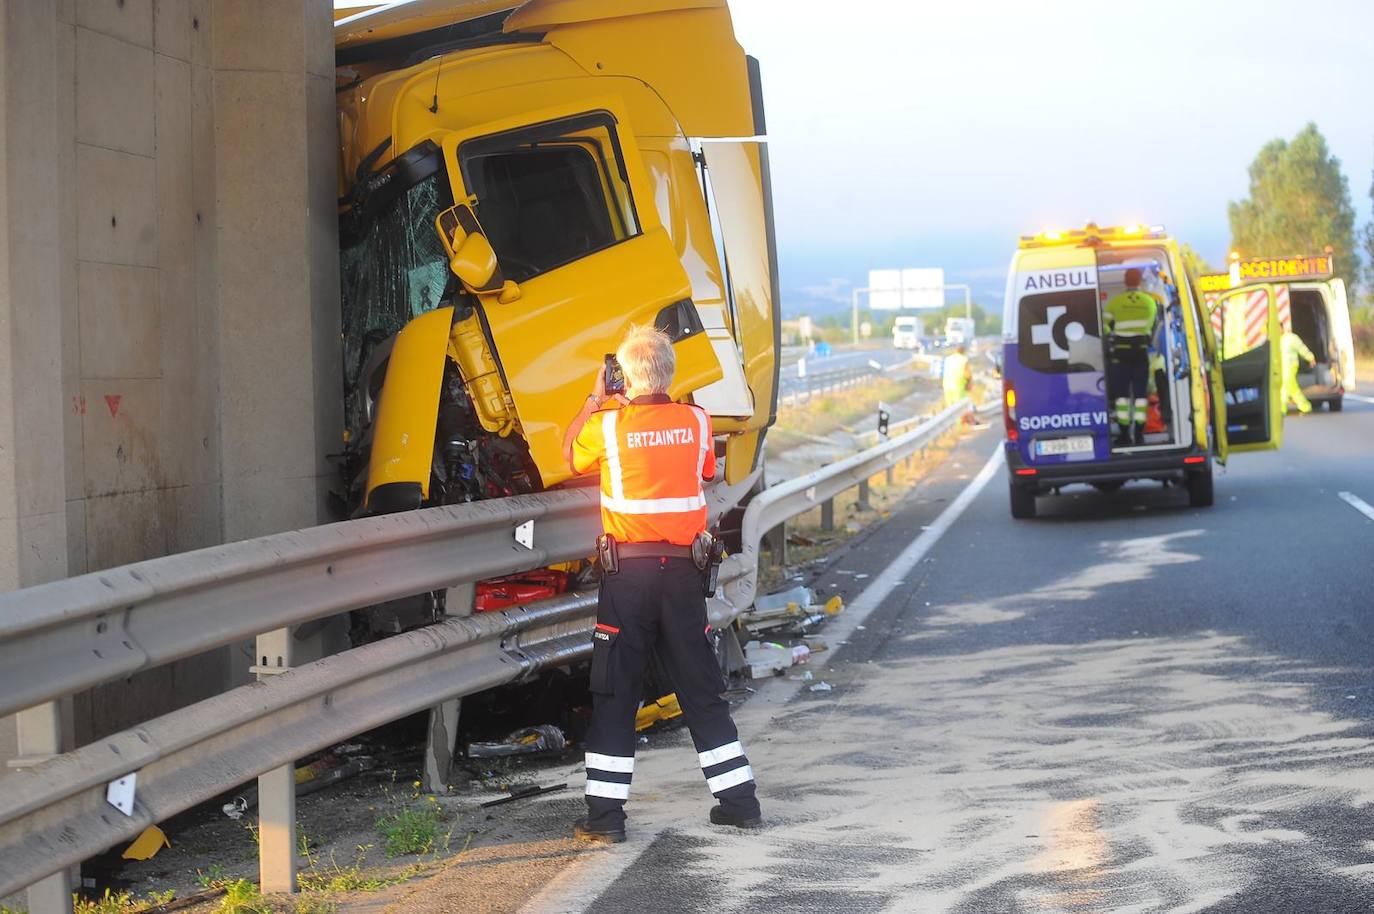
1248	385
1340	328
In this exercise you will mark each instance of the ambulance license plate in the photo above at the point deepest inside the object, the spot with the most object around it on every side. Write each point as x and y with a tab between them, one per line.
1077	444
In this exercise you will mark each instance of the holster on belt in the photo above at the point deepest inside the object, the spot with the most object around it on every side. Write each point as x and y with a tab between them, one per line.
607	552
707	554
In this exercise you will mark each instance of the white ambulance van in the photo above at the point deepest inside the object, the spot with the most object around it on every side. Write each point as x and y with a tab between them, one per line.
1312	301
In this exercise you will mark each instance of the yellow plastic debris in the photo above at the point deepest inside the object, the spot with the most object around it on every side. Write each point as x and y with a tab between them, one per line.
834	605
666	708
147	844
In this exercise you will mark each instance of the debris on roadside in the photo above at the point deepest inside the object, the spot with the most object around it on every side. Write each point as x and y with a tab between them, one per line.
147	844
665	708
822	687
525	741
524	791
325	771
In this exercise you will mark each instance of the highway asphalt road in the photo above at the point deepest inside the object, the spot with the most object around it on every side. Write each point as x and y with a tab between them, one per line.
1126	705
789	381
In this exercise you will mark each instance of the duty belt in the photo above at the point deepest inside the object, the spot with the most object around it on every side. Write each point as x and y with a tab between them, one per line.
652	550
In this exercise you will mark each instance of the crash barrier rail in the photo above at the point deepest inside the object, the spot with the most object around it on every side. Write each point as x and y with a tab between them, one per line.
805	388
62	637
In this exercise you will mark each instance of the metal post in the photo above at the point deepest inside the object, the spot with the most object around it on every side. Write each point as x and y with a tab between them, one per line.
889	476
276	788
854	316
442	743
863	495
828	515
40	738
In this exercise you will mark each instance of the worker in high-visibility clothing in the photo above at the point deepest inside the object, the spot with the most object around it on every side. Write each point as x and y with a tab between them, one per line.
653	456
1131	317
956	373
1293	348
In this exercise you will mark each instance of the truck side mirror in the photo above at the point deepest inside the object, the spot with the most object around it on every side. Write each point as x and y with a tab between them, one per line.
471	257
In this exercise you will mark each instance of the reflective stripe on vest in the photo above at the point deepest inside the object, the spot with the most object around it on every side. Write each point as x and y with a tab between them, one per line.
616	500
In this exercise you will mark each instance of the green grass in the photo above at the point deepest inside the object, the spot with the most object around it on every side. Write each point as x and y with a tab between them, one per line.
114	903
243	897
331	877
409	831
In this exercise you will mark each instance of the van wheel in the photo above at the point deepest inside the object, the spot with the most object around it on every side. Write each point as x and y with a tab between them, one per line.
1335	404
1200	488
1022	502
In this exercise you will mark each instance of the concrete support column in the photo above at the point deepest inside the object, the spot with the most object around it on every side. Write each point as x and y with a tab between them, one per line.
276	259
33	518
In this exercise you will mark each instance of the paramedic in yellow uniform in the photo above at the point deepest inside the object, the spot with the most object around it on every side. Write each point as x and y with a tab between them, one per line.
1131	317
1292	348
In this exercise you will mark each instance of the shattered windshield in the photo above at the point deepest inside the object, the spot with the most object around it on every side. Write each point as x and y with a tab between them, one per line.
394	271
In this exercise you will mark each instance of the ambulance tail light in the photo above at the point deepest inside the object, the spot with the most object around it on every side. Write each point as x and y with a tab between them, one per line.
1009	409
1195	458
1027	471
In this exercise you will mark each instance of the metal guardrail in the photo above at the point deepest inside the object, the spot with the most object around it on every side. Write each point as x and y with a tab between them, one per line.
68	635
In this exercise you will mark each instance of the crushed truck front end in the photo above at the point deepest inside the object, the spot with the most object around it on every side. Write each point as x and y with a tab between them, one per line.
597	148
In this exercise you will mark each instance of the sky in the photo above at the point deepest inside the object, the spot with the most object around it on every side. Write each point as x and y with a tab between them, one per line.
933	134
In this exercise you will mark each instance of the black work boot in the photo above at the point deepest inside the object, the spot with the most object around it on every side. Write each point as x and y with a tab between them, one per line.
597	836
722	816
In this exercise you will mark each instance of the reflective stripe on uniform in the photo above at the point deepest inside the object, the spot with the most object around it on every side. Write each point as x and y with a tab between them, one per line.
1135	327
613	454
621	763
608	789
720	754
652	505
704	425
724	781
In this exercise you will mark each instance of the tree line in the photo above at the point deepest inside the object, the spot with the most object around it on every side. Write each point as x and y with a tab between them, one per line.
1300	203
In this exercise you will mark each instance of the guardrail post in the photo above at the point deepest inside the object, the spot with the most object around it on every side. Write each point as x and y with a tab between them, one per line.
776	542
889	476
40	737
442	741
828	515
276	788
863	495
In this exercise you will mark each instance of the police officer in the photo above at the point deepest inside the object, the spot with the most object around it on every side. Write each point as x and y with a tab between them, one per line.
653	456
1131	317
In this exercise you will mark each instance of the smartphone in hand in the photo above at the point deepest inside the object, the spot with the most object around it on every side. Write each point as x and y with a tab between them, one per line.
615	378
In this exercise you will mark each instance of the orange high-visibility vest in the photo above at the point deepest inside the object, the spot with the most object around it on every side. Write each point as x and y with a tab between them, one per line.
654	455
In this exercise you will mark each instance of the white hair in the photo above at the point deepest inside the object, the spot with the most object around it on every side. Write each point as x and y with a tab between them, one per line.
646	356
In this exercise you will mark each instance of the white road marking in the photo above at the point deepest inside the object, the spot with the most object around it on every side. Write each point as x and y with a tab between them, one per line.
582	882
894	574
1359	504
1360	398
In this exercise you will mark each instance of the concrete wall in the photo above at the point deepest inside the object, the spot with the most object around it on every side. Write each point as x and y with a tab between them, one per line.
168	293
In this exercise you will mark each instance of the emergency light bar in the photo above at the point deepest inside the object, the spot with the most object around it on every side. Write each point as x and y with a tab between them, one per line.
1091	234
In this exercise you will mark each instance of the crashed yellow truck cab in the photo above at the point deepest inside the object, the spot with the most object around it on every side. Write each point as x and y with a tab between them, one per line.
588	159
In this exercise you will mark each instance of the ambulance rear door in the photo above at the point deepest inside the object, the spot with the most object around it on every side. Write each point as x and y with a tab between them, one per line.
1053	358
1339	309
1251	369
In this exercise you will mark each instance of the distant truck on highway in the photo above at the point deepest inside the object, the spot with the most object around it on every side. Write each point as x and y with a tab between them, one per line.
906	332
959	331
1313	302
1057	405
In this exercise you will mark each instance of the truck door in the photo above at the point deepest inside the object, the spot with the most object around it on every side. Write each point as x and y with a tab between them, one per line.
564	200
1250	369
1339	309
